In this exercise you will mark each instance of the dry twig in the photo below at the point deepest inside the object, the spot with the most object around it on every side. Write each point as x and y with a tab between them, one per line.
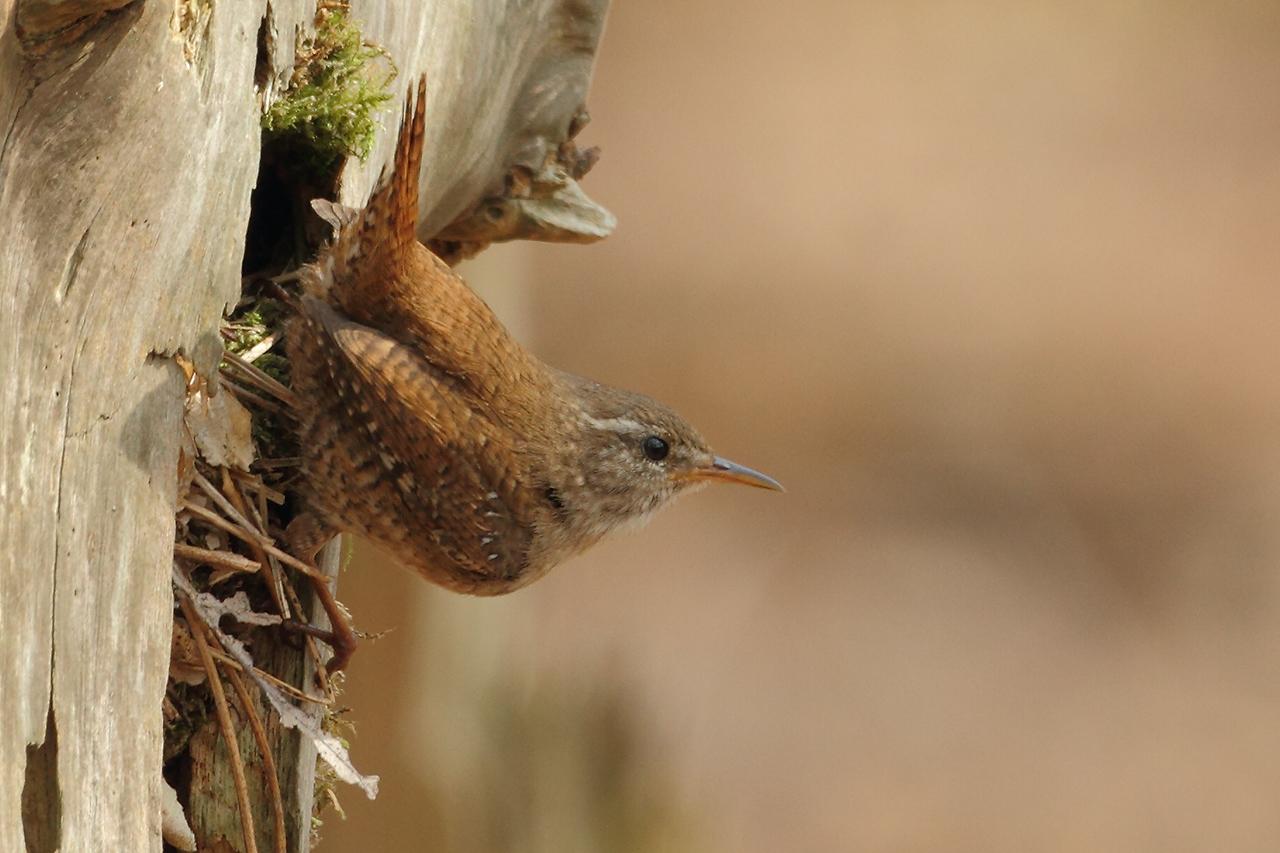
222	559
244	395
251	537
279	462
264	750
261	348
253	483
254	375
274	575
277	576
196	627
283	686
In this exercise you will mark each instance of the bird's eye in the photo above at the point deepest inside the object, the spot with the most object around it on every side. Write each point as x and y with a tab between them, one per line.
655	448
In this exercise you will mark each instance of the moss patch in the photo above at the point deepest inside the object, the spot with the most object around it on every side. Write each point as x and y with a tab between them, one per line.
339	81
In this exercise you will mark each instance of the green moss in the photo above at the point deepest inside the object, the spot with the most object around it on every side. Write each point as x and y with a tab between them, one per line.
248	330
338	83
248	327
275	366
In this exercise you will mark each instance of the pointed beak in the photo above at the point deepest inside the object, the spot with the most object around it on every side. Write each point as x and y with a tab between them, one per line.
732	472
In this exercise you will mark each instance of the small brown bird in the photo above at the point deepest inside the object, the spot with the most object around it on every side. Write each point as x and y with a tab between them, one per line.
428	430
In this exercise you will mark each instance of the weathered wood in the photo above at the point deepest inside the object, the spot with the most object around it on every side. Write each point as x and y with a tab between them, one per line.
506	88
129	143
124	187
213	812
41	19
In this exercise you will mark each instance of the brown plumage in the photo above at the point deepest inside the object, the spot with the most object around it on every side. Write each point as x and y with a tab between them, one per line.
428	430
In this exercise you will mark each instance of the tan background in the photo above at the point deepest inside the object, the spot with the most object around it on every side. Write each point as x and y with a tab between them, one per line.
992	288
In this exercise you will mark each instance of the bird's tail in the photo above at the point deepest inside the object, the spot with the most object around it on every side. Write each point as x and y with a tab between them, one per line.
384	229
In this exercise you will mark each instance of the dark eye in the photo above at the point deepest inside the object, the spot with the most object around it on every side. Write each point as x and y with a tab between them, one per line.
655	448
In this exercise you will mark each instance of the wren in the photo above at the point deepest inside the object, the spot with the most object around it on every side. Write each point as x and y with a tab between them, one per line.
429	431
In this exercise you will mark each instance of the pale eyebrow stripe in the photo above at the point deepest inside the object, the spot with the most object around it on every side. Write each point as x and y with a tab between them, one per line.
614	424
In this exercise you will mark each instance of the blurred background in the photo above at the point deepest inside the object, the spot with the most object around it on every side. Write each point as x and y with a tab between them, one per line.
991	287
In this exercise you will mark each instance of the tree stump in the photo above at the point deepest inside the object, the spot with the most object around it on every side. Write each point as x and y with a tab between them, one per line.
130	143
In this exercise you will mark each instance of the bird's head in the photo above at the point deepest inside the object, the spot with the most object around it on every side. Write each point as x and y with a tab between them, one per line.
632	455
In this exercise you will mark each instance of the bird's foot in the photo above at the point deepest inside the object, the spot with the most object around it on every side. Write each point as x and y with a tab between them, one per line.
305	536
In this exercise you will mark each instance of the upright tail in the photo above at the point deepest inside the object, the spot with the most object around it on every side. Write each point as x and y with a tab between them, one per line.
386	227
391	216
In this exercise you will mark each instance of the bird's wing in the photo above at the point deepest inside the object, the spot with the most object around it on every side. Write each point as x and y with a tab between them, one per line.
449	460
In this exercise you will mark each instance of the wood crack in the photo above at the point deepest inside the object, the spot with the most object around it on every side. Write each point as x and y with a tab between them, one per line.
72	269
42	793
13	125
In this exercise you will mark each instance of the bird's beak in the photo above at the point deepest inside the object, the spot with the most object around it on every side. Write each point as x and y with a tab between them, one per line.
732	472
